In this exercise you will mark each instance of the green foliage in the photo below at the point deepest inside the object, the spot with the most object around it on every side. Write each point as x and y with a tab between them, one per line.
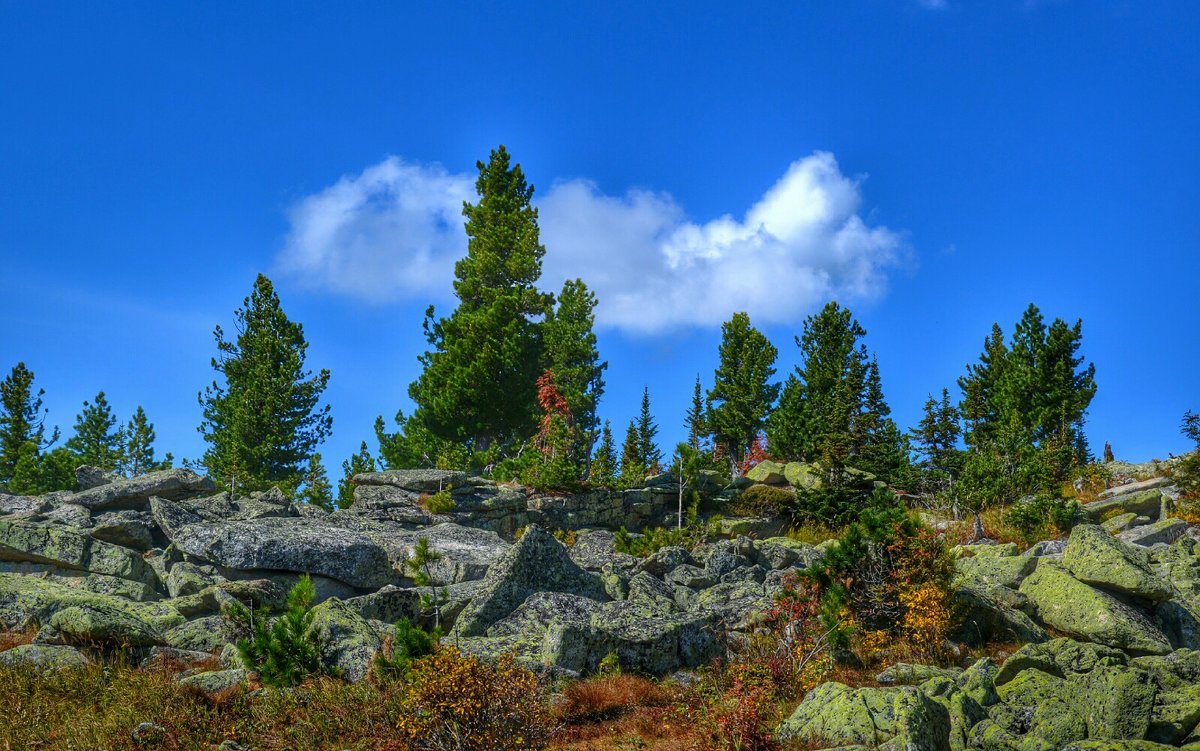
97	441
742	395
414	445
477	383
420	567
647	543
649	455
137	453
1042	516
440	502
833	505
880	557
1187	473
763	500
604	463
283	651
633	466
357	464
695	421
317	489
1035	386
572	356
557	460
263	423
408	642
936	442
22	420
43	472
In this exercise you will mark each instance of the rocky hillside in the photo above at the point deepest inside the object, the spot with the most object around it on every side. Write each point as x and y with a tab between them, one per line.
1109	617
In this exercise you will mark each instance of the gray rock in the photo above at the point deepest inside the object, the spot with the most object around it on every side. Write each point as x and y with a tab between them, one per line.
171	517
200	635
536	563
348	641
665	559
43	656
295	545
21	504
1095	557
466	552
389	604
71	549
416	480
87	477
1165	531
596	549
216	681
129	529
135	493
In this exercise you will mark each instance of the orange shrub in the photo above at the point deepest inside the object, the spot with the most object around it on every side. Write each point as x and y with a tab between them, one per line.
607	697
458	702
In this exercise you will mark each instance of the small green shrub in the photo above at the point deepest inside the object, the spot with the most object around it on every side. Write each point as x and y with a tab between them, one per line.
440	502
763	500
833	507
1043	516
653	540
408	643
283	651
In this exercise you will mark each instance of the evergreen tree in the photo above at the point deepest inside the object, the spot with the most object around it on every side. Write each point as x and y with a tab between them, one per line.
695	421
263	424
823	397
137	454
317	489
357	464
936	436
22	420
477	386
649	455
604	464
38	472
742	395
879	446
981	388
1187	473
633	470
97	442
572	356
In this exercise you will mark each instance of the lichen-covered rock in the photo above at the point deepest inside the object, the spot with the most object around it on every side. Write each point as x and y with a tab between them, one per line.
649	641
26	601
1164	531
1106	745
802	476
43	656
130	529
768	473
72	549
466	552
995	613
215	681
204	634
536	563
595	549
415	480
995	570
651	592
1060	657
1087	613
1094	557
348	642
188	578
896	718
293	545
665	559
135	493
172	517
389	604
907	674
1116	702
1144	502
1119	523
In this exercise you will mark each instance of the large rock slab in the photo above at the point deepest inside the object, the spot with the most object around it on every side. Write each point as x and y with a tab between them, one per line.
44	657
415	480
1164	531
1086	613
136	493
903	718
296	545
71	549
1095	557
348	642
466	552
536	563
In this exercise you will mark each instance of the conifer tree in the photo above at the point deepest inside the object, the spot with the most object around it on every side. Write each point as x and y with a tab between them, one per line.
22	420
742	394
633	470
572	355
97	442
695	420
604	464
981	388
317	490
649	455
477	386
263	422
357	464
822	398
936	435
137	455
879	446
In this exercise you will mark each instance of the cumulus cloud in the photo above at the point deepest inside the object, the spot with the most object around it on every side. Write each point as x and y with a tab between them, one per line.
802	243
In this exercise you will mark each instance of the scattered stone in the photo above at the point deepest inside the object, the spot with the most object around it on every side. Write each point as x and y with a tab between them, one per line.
136	493
1165	531
43	656
1095	557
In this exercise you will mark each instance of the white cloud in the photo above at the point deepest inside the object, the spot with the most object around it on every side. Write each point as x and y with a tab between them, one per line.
394	232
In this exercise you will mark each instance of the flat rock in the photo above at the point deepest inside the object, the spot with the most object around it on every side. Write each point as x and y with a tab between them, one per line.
1095	557
72	549
43	656
417	480
136	493
1164	531
295	545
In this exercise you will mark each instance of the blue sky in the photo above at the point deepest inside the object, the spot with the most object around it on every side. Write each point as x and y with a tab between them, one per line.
934	165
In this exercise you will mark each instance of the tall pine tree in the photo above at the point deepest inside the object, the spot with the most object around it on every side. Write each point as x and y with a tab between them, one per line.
633	466
97	442
357	464
477	386
604	463
649	455
263	423
317	490
572	356
137	455
22	421
695	423
742	394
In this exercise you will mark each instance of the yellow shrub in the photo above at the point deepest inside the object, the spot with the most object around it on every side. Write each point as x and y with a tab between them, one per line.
927	618
459	702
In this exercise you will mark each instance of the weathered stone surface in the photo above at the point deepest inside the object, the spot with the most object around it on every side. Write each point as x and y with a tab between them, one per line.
995	613
296	545
596	549
991	570
348	641
1095	557
72	549
21	504
768	473
130	529
536	563
389	604
1134	487
1116	702
1087	613
215	681
1119	523
416	480
171	517
803	476
88	477
135	493
905	674
466	552
902	718
649	641
200	635
44	656
1165	531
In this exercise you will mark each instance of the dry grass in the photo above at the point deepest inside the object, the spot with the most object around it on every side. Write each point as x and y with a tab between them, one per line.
608	697
10	639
